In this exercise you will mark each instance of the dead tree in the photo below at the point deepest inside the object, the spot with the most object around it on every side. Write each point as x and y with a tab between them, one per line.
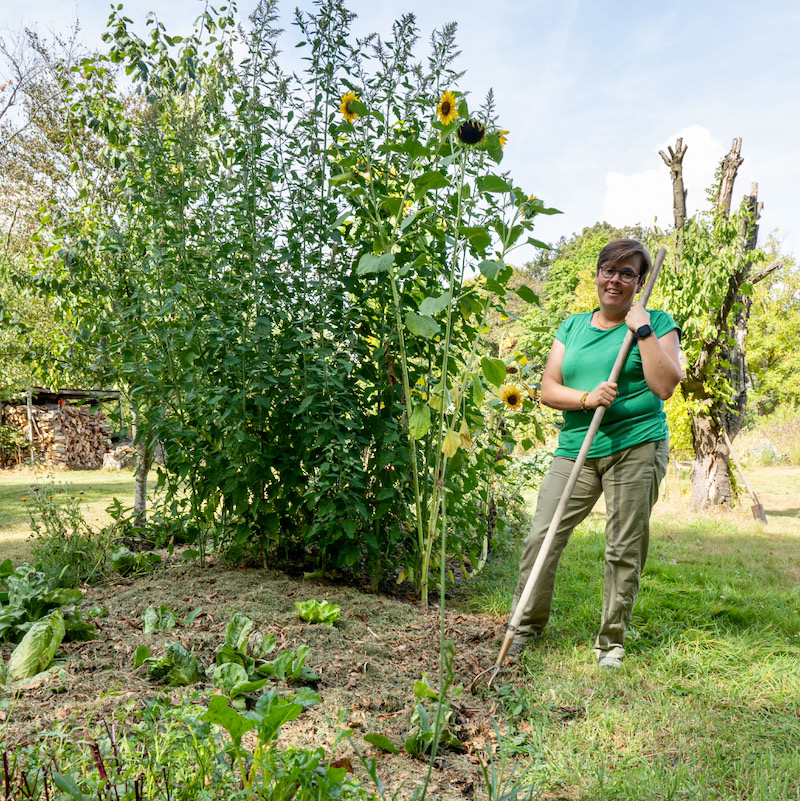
711	481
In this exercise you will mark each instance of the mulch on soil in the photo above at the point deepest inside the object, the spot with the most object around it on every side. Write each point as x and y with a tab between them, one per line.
367	663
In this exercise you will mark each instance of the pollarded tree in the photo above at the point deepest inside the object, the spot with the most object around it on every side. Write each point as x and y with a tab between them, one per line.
708	291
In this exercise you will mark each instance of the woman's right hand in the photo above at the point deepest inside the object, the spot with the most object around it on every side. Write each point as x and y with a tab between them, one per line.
602	395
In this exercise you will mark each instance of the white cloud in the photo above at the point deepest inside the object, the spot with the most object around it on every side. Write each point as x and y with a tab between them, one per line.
641	197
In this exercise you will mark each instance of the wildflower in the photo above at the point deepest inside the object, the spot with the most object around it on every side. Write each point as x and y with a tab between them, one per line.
503	137
347	112
176	168
511	396
23	499
447	108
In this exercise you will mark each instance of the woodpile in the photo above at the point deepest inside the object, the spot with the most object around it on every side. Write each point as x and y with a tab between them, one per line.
64	436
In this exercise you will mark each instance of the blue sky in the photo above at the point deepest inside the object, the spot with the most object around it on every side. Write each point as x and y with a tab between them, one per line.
591	91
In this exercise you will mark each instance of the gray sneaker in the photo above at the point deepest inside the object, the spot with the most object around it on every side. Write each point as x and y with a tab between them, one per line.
607	661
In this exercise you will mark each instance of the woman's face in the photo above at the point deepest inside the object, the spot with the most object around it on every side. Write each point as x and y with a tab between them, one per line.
614	293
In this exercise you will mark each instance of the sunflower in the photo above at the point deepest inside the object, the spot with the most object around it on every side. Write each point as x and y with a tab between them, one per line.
347	112
471	132
503	137
511	395
447	108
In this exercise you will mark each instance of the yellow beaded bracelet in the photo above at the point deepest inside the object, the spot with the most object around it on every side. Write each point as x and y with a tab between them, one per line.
583	401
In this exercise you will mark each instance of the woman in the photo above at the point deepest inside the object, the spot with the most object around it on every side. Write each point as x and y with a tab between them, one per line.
628	456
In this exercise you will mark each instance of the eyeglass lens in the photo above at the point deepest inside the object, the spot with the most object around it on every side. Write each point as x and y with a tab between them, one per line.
627	276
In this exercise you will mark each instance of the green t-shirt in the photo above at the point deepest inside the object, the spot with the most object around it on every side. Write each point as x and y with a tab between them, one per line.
636	415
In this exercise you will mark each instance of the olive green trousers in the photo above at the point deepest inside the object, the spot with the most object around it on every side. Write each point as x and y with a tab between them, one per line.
629	480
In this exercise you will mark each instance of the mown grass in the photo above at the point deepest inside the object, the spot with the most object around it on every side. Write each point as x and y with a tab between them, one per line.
707	703
94	488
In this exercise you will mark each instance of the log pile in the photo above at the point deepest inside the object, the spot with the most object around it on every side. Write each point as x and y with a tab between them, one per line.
64	436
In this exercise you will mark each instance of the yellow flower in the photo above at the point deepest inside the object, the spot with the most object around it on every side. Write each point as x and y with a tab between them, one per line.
503	137
451	443
471	132
447	108
510	395
347	112
23	499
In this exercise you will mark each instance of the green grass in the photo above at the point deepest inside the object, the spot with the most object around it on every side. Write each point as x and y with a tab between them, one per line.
95	488
706	703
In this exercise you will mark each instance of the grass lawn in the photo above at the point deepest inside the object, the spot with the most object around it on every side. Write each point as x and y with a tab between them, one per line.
706	703
95	488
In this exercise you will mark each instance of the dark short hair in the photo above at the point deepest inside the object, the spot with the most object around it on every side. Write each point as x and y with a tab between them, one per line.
618	250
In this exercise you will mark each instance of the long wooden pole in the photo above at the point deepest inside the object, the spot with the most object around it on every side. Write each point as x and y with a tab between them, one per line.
597	418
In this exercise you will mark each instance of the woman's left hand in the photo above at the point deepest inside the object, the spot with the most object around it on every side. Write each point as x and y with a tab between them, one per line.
637	316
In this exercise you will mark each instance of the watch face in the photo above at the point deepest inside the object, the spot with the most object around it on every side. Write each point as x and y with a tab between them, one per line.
644	331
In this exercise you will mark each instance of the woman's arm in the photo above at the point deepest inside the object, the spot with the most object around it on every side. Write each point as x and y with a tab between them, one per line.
557	396
661	356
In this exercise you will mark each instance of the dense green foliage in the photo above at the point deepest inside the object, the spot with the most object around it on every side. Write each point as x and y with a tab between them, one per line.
281	279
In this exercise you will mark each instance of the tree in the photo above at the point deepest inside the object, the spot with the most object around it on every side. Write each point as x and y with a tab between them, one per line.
774	339
708	290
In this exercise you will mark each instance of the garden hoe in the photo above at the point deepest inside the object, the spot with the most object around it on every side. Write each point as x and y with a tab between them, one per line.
757	509
571	481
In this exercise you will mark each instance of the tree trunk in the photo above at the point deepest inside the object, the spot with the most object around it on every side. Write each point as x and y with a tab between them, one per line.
144	460
711	480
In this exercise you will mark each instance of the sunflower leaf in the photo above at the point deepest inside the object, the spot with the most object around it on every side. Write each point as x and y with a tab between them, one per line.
431	306
422	325
370	263
427	181
494	370
527	294
492	183
420	421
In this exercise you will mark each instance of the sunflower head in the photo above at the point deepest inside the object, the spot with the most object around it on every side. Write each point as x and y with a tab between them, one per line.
511	395
447	108
503	137
347	112
471	132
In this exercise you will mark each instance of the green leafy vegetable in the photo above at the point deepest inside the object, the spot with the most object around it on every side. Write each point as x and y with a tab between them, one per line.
177	667
37	648
158	619
317	612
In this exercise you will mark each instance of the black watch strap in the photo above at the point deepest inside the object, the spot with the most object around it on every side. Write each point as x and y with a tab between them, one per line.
644	331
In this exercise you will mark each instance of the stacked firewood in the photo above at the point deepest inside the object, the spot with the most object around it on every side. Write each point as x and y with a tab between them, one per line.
63	435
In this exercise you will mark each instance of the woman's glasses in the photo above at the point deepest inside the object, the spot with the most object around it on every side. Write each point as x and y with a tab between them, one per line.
626	276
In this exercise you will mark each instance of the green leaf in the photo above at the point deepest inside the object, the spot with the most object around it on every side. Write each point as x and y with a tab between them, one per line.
317	612
370	263
420	421
220	714
490	268
140	654
67	785
382	742
428	181
431	305
527	294
421	325
492	183
494	371
477	235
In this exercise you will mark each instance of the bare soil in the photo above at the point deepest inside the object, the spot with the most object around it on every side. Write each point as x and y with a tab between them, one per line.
367	663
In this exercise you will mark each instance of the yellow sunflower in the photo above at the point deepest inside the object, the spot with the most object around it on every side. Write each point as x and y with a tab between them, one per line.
447	108
347	113
511	395
503	137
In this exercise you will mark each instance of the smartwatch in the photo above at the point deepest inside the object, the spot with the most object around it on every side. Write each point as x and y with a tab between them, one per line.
643	332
